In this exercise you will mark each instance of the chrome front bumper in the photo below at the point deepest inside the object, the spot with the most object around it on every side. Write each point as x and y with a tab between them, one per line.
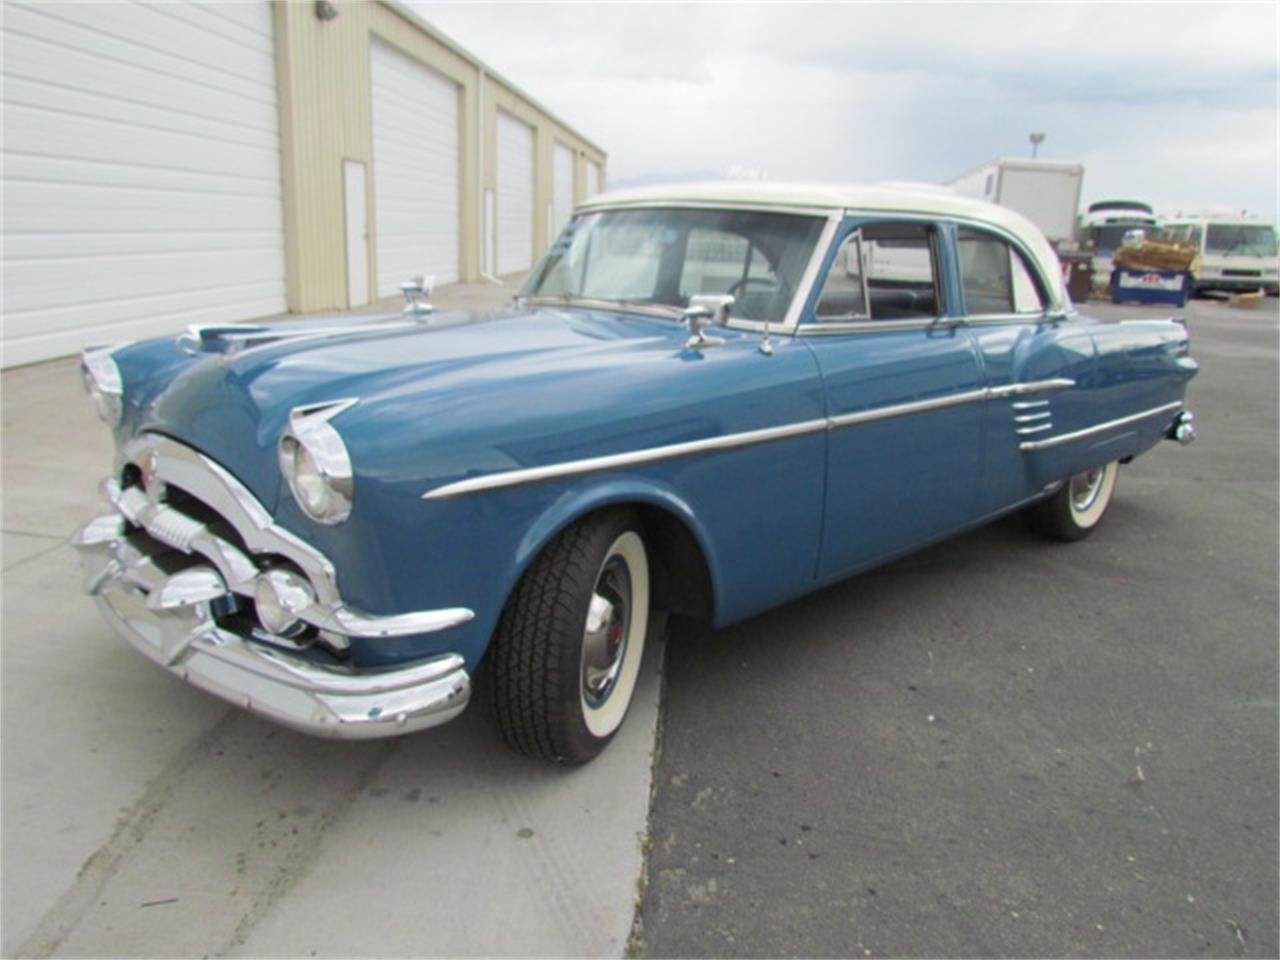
158	574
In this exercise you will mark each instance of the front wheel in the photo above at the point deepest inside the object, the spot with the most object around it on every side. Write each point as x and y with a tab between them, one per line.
1078	507
566	655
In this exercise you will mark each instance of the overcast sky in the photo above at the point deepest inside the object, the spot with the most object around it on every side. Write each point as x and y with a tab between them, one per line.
1171	103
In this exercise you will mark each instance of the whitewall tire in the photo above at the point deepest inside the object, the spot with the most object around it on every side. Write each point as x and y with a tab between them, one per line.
1076	509
566	655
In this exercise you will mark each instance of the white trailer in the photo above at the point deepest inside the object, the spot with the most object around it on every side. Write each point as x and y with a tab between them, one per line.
1045	192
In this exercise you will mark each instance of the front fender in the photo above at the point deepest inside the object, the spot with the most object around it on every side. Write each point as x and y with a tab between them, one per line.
577	502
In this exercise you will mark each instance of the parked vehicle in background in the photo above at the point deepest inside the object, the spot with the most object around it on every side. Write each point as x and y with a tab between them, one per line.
1237	253
1044	191
1102	229
708	399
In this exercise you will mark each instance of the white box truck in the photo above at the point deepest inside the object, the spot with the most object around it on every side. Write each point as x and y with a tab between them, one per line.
1045	192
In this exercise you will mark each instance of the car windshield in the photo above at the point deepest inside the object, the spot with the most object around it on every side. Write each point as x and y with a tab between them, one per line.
663	256
1241	240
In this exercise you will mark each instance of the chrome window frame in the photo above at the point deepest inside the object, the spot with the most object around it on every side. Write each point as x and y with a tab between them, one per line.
794	322
800	298
871	325
1054	312
817	327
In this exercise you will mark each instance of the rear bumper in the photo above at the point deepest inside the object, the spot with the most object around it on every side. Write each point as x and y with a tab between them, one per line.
1183	429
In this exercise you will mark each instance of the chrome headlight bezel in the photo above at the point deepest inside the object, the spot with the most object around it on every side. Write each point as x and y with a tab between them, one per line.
315	462
103	383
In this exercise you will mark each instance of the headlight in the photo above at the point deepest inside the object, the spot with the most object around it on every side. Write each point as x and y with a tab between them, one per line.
103	383
315	461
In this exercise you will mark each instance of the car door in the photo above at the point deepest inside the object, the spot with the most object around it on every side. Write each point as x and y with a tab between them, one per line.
1038	363
903	392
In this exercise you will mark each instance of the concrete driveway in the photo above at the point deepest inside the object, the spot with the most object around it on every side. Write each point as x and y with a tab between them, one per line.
142	817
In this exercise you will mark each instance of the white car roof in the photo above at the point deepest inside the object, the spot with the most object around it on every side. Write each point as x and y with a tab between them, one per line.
924	199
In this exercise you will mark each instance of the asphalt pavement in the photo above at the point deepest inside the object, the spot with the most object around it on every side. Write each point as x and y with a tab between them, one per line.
1000	746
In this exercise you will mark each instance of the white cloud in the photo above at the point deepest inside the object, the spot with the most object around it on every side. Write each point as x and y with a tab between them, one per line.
1172	102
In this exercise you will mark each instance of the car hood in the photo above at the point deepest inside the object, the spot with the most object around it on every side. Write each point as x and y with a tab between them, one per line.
449	382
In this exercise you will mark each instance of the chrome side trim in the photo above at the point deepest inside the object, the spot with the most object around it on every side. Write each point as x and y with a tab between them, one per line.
570	468
1038	428
1032	417
1032	445
830	327
1001	319
1029	404
1033	386
906	409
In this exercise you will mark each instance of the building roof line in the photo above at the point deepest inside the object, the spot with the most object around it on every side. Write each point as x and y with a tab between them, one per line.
402	9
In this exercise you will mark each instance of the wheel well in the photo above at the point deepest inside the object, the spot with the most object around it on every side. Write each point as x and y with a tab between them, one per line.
681	579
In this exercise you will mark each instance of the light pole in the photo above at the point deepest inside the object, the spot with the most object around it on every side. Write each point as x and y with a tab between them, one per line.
1036	140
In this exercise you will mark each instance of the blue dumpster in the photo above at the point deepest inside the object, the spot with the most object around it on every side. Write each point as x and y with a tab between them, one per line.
1150	286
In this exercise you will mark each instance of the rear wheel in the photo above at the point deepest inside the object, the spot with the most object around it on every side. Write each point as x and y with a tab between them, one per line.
566	655
1078	507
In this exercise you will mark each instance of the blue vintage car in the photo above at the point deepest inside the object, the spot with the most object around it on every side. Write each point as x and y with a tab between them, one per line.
706	400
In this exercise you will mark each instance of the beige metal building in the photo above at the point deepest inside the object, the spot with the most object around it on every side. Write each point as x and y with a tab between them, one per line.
187	163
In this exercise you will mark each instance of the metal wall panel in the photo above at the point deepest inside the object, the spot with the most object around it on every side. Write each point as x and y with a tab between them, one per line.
142	184
416	183
515	195
561	188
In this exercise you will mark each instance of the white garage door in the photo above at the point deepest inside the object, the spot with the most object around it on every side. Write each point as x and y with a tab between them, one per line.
415	170
561	189
515	195
141	172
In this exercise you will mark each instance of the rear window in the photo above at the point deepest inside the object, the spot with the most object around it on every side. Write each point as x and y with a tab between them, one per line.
994	277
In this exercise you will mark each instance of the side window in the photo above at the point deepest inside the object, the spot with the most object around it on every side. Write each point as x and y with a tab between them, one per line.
885	271
994	277
843	295
1026	295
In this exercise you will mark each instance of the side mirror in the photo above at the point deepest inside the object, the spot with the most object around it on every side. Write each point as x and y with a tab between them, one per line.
704	308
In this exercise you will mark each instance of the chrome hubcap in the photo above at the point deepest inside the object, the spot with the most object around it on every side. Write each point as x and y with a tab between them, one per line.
1085	488
604	641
